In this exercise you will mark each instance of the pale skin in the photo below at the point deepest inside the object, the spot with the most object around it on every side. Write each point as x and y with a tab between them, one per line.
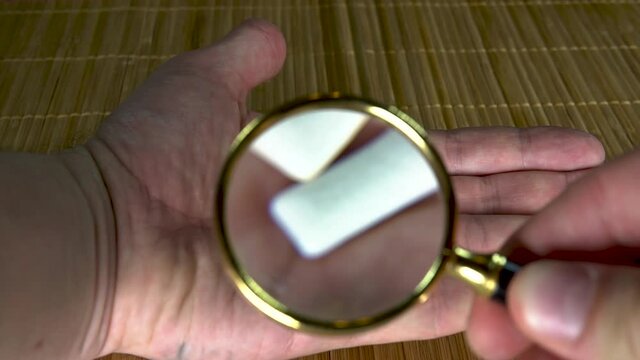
574	310
109	247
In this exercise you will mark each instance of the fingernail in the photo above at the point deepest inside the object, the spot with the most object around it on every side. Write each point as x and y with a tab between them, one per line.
556	298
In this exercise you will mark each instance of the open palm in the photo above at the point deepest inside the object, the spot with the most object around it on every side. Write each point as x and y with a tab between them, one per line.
160	154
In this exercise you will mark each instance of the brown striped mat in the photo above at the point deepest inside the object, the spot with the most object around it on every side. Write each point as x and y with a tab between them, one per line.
64	65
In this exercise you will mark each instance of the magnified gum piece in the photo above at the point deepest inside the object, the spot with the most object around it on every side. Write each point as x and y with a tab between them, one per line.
363	189
303	145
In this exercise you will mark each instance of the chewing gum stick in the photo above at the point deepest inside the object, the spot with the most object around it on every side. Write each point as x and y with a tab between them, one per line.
356	193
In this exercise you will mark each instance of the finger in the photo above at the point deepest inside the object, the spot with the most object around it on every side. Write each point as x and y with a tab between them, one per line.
248	56
486	233
479	151
199	94
212	78
579	310
597	212
491	332
523	192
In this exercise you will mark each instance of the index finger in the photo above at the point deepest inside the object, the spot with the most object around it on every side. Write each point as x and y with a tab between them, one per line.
480	151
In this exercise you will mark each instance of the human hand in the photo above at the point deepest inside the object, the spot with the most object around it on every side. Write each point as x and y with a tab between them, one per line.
575	310
160	154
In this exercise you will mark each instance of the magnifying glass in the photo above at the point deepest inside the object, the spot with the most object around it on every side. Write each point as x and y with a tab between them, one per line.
336	213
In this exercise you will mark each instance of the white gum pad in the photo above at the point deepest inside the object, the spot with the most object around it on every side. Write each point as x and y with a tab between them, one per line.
358	192
303	145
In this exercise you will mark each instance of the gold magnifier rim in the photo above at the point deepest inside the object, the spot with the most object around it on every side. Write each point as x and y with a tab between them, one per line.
251	290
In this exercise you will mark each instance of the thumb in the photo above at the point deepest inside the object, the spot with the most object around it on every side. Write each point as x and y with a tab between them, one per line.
579	310
190	108
249	55
216	76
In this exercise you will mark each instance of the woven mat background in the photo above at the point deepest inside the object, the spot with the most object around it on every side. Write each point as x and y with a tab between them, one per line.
64	65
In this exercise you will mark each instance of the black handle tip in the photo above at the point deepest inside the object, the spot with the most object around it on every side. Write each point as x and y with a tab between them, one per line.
504	279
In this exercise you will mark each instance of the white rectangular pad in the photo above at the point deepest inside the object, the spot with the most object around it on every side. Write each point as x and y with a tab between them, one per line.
358	192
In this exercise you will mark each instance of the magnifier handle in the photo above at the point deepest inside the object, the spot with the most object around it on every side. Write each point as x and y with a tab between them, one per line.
489	274
617	255
504	278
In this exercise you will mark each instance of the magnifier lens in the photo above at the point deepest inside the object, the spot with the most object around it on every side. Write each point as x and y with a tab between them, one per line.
335	214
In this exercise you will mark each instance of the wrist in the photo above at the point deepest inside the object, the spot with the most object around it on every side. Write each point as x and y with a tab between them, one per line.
85	173
57	263
144	260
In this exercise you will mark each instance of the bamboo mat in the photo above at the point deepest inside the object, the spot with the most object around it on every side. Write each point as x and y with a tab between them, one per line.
64	65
